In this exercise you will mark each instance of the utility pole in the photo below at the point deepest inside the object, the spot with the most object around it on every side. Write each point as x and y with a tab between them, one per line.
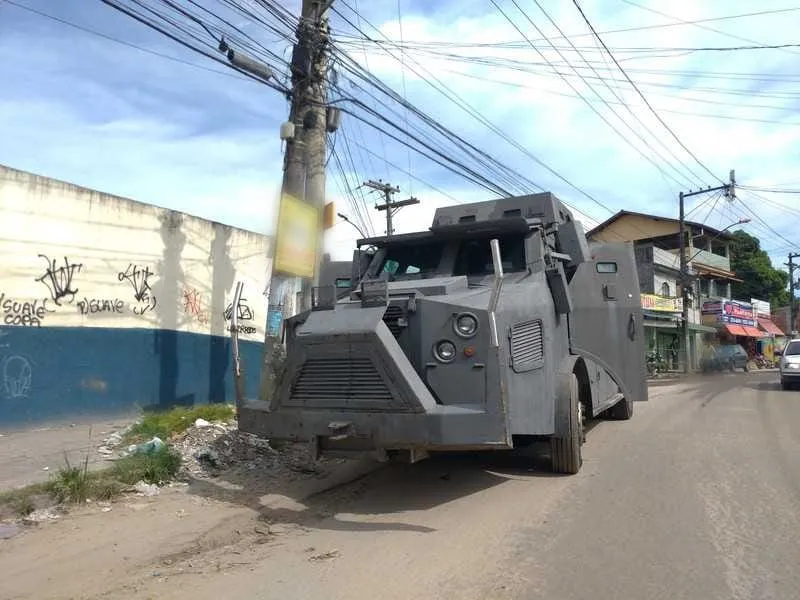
730	192
792	286
389	205
305	134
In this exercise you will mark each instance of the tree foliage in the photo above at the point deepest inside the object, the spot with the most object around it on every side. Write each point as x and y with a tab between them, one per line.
759	278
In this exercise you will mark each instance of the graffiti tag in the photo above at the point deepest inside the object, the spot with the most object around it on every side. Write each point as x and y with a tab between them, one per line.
91	306
139	279
193	305
23	313
242	329
58	280
243	311
17	376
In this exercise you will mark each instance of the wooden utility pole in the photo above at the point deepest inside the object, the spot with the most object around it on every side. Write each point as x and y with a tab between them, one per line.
730	191
792	287
305	135
389	205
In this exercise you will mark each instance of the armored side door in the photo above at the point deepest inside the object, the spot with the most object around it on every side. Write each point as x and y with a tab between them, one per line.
606	323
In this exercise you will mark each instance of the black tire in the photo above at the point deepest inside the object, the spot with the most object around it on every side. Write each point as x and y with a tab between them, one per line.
621	411
746	367
731	366
565	451
785	385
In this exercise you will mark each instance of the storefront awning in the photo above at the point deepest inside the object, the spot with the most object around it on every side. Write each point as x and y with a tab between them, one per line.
770	327
735	329
703	269
753	332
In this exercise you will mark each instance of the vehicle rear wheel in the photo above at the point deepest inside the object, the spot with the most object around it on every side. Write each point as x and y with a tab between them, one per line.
785	385
746	367
565	449
622	410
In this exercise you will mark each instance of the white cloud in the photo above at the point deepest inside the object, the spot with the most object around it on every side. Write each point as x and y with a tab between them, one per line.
101	115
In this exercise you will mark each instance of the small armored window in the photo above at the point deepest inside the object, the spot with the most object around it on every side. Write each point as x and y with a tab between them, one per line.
342	283
412	270
467	219
391	266
606	267
514	212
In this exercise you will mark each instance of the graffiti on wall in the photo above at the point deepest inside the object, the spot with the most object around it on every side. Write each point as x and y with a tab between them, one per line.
139	279
23	313
243	313
59	279
17	376
193	305
93	306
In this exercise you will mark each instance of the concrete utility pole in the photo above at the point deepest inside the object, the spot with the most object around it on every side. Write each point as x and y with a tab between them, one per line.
304	163
730	193
389	205
792	287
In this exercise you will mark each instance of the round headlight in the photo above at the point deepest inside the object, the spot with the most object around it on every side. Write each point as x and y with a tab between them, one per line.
466	325
445	351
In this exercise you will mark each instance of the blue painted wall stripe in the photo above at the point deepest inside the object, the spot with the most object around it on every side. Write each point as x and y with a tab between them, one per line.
58	373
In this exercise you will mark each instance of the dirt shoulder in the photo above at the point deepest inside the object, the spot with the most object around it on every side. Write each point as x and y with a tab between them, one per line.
181	530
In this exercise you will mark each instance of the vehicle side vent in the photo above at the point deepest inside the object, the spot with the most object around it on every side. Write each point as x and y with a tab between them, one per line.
347	383
527	346
392	318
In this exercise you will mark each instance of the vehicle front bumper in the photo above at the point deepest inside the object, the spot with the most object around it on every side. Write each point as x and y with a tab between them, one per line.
790	374
442	428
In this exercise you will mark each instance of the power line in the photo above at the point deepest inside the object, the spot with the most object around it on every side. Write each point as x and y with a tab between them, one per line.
617	96
641	95
470	110
623	30
123	42
698	23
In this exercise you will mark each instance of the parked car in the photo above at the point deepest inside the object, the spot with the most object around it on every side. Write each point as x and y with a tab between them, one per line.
789	365
727	358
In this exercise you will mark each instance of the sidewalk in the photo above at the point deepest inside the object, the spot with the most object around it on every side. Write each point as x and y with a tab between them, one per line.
30	456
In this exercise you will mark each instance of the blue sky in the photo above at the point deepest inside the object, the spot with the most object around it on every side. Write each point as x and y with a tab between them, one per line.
79	107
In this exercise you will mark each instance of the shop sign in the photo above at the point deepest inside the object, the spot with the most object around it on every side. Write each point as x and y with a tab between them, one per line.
761	307
728	311
661	303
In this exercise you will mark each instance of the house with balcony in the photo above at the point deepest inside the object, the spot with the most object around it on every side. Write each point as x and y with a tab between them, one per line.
656	247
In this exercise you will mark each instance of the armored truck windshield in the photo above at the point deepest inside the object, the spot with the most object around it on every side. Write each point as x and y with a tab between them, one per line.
466	256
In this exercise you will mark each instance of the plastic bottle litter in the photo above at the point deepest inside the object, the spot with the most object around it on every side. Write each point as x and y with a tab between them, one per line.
150	447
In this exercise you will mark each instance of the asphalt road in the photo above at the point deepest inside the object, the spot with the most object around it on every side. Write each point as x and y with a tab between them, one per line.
698	497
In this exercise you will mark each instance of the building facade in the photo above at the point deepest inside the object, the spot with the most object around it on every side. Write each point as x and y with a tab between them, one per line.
110	305
656	246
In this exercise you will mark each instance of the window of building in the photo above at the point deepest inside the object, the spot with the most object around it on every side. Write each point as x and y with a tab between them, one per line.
665	291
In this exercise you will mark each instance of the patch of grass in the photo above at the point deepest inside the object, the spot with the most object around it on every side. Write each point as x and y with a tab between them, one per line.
22	501
76	484
164	424
71	484
156	468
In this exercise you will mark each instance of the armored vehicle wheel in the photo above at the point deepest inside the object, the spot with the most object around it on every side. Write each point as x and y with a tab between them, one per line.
565	449
622	410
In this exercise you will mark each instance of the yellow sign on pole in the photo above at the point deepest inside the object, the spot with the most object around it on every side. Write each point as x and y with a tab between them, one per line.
296	238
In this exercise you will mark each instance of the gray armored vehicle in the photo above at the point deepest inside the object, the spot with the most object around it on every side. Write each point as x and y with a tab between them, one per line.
496	328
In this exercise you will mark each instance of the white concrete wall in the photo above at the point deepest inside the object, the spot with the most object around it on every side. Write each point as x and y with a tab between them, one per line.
73	257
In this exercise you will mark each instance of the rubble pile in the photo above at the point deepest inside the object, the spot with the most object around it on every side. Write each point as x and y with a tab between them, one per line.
208	449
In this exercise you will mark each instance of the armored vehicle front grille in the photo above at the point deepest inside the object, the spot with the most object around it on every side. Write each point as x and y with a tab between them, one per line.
527	345
391	317
340	382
